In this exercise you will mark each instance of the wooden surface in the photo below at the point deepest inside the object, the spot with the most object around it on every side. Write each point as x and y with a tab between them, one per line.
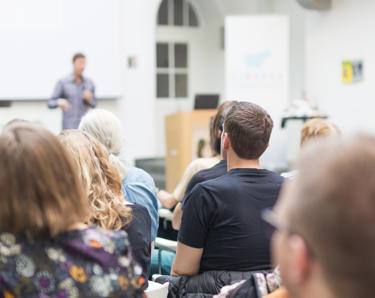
179	132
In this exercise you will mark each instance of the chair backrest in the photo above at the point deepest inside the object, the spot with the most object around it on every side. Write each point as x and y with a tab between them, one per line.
156	290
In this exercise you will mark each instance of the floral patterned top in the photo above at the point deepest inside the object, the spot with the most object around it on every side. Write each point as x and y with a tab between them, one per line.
82	263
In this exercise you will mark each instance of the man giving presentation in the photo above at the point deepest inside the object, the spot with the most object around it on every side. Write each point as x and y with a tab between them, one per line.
74	94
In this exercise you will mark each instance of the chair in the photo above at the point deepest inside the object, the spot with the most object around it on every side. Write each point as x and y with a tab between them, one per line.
164	244
165	213
156	290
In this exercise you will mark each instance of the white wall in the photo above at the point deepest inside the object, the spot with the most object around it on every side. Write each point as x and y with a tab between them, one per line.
244	7
137	107
296	15
345	32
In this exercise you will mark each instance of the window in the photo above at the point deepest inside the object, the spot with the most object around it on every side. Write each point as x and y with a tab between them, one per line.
178	13
172	79
172	70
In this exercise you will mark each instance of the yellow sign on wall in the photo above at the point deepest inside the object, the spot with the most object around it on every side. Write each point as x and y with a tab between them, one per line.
352	71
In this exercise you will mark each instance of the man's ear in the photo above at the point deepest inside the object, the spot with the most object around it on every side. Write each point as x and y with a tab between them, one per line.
300	260
219	132
226	141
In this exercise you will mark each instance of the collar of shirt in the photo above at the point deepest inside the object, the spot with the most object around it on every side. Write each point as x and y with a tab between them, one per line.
71	78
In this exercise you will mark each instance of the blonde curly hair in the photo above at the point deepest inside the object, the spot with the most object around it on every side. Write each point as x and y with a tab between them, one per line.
101	180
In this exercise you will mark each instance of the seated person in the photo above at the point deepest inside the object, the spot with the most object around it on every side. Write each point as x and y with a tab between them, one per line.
139	186
324	222
45	249
102	186
221	227
312	130
211	173
169	200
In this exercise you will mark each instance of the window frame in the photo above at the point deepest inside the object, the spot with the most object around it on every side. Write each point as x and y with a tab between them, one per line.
172	70
186	5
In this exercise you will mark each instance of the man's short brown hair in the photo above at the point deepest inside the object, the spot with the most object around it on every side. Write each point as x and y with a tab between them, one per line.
78	56
249	129
332	204
41	194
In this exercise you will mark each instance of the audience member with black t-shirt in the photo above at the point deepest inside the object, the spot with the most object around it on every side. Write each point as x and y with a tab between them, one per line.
221	226
214	172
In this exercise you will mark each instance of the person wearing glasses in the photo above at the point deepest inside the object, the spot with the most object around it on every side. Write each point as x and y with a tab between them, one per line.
325	240
221	227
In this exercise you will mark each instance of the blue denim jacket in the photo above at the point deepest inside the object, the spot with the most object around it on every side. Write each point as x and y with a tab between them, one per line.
140	189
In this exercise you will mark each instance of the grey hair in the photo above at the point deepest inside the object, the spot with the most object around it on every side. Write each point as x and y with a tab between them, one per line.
106	128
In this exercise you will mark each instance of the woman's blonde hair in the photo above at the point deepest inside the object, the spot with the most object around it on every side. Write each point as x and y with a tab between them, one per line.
317	128
41	194
100	179
106	128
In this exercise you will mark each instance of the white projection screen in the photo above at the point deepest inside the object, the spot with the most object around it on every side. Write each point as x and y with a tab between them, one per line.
39	37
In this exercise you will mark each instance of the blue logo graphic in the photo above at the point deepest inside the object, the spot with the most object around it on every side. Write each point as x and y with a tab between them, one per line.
257	60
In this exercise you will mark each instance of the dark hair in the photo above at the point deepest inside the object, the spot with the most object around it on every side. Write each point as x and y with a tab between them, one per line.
41	194
78	56
249	129
217	125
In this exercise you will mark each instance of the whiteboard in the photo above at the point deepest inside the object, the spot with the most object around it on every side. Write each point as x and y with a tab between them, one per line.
257	70
39	37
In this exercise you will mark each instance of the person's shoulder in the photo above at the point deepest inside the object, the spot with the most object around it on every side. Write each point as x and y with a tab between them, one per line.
199	176
203	163
134	174
211	184
218	180
139	210
275	177
141	219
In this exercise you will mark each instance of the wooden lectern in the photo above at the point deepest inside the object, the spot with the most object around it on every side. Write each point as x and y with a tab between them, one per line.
187	135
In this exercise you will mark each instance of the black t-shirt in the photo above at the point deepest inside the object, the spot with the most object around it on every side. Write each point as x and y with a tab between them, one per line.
214	172
139	234
223	216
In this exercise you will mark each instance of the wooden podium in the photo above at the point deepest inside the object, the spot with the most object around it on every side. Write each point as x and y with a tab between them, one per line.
185	132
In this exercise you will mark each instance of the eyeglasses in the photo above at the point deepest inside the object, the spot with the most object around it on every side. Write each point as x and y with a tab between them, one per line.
274	223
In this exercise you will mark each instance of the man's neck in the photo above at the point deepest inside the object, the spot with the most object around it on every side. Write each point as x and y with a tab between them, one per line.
77	78
234	162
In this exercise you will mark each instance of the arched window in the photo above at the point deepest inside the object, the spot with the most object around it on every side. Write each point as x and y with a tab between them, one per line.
177	13
172	65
